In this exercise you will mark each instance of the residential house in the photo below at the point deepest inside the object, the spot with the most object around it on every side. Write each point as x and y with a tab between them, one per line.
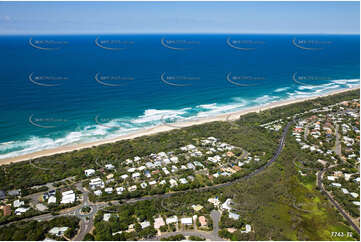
173	219
58	231
18	203
68	197
187	221
108	190
202	220
96	183
233	216
145	224
109	166
52	199
89	172
21	210
158	222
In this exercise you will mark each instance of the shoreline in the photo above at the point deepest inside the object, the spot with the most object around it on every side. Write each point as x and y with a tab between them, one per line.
165	127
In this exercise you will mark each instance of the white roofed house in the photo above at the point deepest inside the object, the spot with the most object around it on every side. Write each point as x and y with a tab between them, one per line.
336	184
248	229
98	193
174	159
183	181
165	170
227	204
131	170
174	169
214	201
106	217
158	164
135	175
190	147
108	190
58	231
68	197
191	166
173	183
109	166
166	161
150	165
96	183
143	185
173	219
331	178
21	210
187	221
354	194
145	224
233	216
125	176
158	222
132	188
162	154
141	168
18	203
52	199
119	190
213	139
344	190
89	172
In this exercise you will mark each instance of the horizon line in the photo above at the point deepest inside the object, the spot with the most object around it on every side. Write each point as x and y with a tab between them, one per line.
163	33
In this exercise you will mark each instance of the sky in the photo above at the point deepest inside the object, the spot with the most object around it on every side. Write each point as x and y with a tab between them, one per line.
179	17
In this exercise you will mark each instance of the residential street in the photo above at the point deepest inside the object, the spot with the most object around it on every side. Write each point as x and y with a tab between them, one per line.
86	225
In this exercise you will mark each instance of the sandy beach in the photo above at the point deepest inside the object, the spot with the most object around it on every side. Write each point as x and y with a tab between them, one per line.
162	128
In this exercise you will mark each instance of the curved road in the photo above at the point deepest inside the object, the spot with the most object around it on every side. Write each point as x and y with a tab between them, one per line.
339	208
205	235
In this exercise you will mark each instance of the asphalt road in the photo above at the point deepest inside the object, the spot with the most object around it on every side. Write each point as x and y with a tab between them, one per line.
216	216
206	235
339	208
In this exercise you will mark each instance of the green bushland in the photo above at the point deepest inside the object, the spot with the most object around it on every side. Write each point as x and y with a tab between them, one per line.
34	230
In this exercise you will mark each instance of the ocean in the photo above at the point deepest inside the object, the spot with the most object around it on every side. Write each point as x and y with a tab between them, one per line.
63	90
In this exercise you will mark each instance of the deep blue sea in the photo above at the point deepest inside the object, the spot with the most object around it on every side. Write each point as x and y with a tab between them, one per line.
62	90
